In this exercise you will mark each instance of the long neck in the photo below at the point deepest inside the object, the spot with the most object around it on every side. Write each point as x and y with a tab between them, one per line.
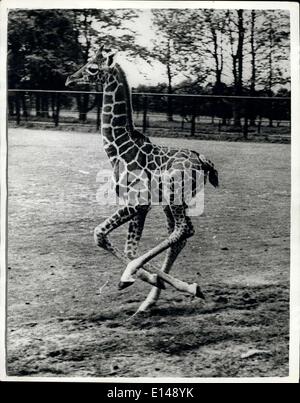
117	124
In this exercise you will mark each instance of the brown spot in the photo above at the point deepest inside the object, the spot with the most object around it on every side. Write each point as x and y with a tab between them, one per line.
107	108
111	87
107	132
111	150
119	95
119	120
106	118
108	99
152	166
120	109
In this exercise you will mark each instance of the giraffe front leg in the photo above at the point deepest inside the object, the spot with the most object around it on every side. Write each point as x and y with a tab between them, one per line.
101	238
135	230
101	232
119	218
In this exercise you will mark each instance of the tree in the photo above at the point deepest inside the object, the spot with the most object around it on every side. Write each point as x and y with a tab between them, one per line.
43	48
273	52
42	53
253	49
215	24
273	42
48	45
166	47
236	31
253	53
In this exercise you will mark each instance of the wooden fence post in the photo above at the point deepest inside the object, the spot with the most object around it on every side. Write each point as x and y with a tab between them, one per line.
98	113
245	128
219	125
259	125
18	115
145	110
193	118
193	125
57	109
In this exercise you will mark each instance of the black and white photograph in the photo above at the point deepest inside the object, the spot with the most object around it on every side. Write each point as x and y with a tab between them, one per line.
150	192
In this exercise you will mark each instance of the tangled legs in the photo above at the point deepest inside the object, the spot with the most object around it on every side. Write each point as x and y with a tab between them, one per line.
154	276
180	228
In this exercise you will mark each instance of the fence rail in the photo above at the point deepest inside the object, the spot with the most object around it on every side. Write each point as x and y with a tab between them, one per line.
181	114
151	94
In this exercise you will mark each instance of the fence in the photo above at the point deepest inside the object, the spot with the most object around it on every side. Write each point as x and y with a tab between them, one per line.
203	116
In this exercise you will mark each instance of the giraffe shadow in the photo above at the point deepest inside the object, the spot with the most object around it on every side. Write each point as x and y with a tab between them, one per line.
166	314
185	310
189	339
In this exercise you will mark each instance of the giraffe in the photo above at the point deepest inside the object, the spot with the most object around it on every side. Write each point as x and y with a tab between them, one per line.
136	160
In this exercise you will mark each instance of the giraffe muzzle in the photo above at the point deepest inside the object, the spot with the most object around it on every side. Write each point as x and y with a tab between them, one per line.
69	81
76	78
124	284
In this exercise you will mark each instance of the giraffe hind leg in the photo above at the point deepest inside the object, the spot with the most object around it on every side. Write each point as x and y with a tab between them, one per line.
154	293
172	254
181	231
152	274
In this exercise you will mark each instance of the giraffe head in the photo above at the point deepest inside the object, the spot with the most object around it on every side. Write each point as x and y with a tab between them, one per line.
95	71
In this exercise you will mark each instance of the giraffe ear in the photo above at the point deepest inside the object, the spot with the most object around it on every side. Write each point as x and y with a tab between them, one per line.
99	52
106	54
110	59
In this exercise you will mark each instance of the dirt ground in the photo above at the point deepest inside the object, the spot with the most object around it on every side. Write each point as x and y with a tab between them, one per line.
61	324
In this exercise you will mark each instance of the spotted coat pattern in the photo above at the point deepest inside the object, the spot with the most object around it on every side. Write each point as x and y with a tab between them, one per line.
138	166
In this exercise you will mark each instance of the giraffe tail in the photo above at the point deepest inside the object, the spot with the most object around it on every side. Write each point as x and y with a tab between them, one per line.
213	176
210	170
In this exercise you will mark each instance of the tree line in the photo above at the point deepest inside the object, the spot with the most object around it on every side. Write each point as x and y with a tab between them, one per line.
220	52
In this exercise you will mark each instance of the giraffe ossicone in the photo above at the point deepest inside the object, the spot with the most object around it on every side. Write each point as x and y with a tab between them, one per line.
135	159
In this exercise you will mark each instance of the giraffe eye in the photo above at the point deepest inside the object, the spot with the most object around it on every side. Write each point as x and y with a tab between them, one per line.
93	69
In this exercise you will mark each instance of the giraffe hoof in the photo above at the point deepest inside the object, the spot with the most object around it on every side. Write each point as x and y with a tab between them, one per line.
145	307
124	284
199	293
160	283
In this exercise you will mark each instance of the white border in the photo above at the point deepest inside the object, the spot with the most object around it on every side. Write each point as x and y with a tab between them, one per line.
295	195
293	7
3	187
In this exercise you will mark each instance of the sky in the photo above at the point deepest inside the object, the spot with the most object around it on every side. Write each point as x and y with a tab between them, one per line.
139	71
